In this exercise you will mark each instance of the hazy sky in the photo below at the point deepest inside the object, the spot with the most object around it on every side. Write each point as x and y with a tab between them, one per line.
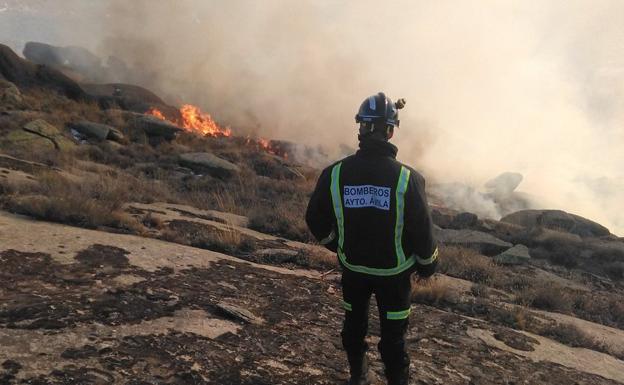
534	87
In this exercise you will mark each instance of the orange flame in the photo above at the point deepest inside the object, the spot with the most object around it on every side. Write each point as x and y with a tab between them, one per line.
194	120
155	112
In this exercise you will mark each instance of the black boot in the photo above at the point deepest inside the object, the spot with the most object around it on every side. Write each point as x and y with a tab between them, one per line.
358	367
398	375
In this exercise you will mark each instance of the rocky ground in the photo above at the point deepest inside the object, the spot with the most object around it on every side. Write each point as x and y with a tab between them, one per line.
83	306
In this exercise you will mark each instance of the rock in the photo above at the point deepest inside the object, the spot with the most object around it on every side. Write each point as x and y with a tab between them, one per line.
442	217
238	313
129	97
517	255
45	130
116	135
77	59
482	242
504	184
464	220
42	128
201	162
10	94
557	220
25	74
12	163
92	130
152	126
26	140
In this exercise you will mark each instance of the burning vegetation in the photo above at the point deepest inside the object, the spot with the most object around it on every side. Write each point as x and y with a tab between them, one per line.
194	120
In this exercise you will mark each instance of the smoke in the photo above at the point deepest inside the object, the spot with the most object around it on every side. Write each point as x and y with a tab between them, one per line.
528	87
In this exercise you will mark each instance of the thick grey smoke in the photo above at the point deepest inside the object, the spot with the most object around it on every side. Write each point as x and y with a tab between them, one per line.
534	87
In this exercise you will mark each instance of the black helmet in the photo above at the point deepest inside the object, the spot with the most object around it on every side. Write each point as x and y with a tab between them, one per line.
378	109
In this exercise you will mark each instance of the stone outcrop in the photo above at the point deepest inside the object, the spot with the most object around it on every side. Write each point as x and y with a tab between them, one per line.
482	242
25	74
517	255
205	162
129	97
557	220
47	131
154	127
97	131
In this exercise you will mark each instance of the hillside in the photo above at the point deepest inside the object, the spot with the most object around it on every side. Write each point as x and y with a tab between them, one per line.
140	247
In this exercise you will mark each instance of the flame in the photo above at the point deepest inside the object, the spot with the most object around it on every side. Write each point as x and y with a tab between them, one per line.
155	112
194	120
265	144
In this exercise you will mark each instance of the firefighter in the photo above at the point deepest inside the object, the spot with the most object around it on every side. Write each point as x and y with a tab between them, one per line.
372	210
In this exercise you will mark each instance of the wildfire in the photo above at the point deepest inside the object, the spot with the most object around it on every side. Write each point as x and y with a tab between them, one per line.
194	120
266	145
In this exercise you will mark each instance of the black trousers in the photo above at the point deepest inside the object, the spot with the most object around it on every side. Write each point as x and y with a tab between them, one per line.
393	295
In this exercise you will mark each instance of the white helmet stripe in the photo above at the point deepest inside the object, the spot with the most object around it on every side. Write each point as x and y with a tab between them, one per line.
372	103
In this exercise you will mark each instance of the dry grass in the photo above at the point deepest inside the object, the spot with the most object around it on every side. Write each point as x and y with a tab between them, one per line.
601	308
320	258
207	237
516	317
467	264
547	296
431	292
574	336
92	201
62	110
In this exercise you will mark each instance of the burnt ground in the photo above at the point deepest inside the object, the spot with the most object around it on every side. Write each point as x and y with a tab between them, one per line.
294	341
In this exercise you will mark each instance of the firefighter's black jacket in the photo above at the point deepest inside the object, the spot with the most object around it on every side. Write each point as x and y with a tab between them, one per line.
373	211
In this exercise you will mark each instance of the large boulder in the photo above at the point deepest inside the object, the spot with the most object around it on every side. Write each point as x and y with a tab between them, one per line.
25	74
10	94
482	242
42	128
45	130
205	162
517	255
97	131
464	220
504	184
129	97
24	140
557	220
76	59
155	127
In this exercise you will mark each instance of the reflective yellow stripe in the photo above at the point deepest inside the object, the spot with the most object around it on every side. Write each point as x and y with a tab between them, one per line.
337	203
429	260
398	315
347	306
400	212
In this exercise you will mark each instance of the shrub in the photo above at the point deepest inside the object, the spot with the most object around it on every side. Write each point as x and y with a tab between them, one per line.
431	292
284	221
467	264
479	290
547	296
208	237
91	201
516	317
571	335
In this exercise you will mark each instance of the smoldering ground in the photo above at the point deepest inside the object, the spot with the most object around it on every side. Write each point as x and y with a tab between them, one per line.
533	87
